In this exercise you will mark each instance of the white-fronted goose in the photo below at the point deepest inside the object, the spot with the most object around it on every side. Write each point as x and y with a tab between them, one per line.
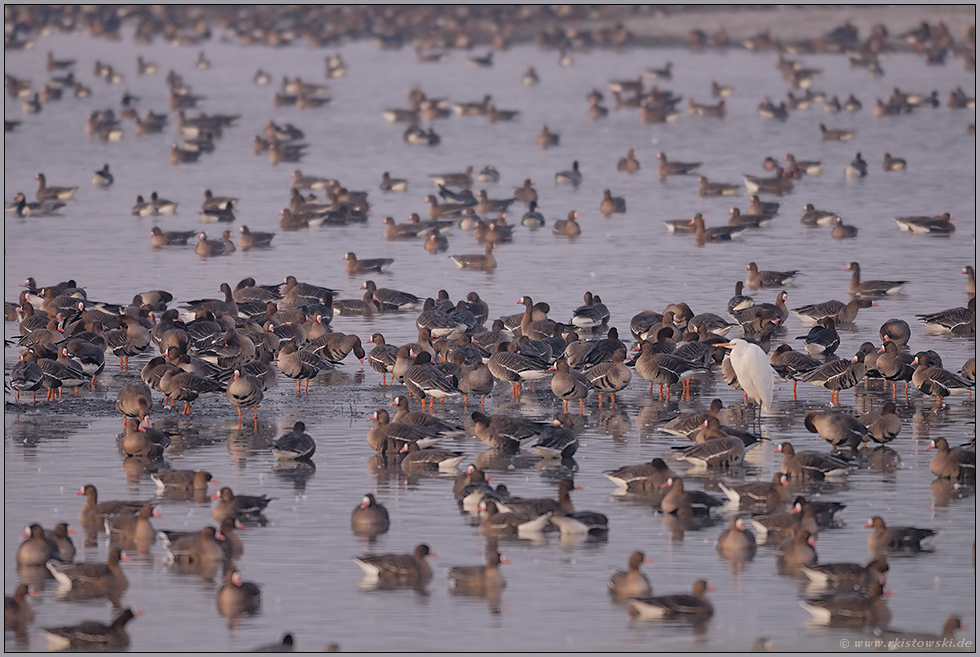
398	569
17	613
170	237
253	240
890	163
845	576
835	135
666	168
478	580
546	138
425	380
486	261
45	193
241	507
144	443
686	504
761	496
103	177
736	218
294	445
631	583
611	204
958	463
779	184
843	231
837	375
958	321
883	426
809	465
664	369
736	542
355	266
91	635
382	357
768	278
739	301
243	391
509	366
885	539
37	548
431	458
92	579
238	596
798	550
497	524
813	217
629	163
686	425
857	286
841	312
568	384
693	606
369	517
971	281
569	176
389	437
858	168
936	381
134	400
181	481
706	188
822	339
423	419
837	428
809	167
568	227
611	377
714	234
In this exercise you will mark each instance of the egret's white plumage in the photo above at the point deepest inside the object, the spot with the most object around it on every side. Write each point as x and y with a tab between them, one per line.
754	373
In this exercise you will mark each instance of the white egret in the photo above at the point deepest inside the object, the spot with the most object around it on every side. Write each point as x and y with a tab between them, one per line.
752	368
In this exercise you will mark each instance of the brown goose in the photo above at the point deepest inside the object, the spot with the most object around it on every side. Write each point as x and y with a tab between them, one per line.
686	425
478	580
486	261
526	193
432	458
611	204
851	608
664	369
721	451
36	549
17	614
694	606
857	286
942	224
846	576
253	240
170	237
837	375
666	168
487	204
686	504
714	234
504	432
181	481
809	465
398	569
187	387
143	442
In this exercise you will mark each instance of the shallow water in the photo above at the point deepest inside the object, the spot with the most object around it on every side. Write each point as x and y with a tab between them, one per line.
555	598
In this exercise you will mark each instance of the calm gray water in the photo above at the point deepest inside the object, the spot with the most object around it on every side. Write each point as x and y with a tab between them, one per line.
555	598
